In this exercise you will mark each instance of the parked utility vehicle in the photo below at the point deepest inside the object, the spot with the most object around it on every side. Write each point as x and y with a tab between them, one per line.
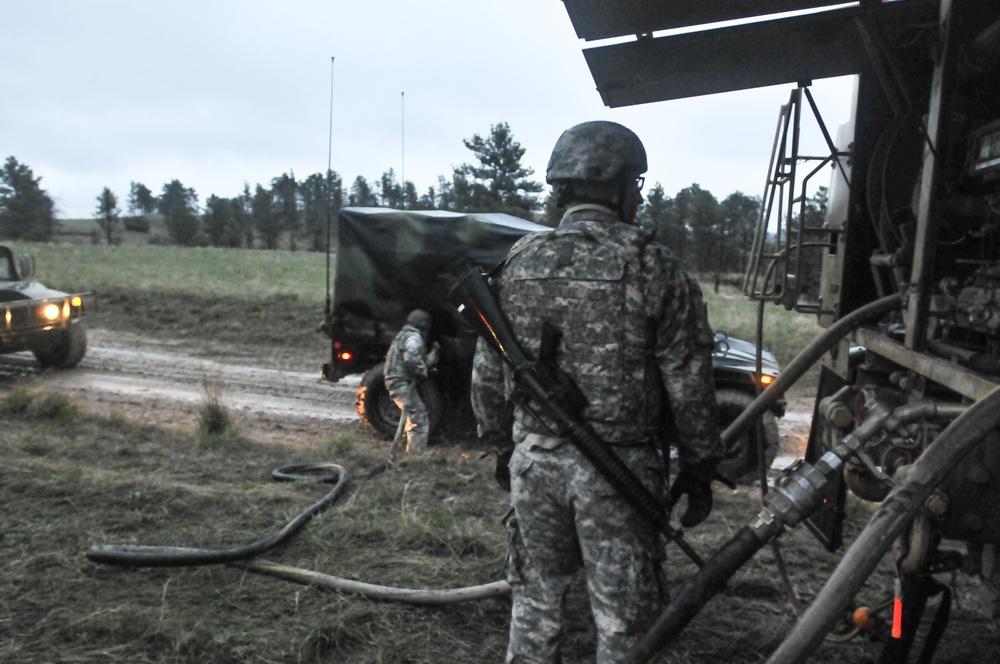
47	322
389	262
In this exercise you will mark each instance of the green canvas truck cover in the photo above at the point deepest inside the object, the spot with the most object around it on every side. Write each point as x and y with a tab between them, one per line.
389	262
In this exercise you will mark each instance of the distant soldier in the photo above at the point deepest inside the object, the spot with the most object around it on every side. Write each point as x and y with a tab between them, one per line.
636	341
406	364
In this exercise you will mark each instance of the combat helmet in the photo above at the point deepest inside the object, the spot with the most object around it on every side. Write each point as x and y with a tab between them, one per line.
598	151
420	318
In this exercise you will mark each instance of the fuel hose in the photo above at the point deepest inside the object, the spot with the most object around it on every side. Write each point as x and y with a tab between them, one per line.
419	596
809	356
245	557
797	497
748	540
896	511
127	555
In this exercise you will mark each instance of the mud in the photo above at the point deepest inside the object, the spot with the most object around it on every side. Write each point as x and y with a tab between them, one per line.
794	431
276	392
167	382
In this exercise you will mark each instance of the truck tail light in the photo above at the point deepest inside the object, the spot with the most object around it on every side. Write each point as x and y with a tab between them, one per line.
342	354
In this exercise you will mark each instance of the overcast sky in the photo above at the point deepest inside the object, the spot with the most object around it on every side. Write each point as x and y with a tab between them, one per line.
215	93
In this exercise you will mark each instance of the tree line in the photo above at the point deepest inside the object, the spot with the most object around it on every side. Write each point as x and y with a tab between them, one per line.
709	235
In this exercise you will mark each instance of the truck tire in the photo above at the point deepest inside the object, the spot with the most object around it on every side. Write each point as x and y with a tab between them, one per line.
380	414
66	349
740	462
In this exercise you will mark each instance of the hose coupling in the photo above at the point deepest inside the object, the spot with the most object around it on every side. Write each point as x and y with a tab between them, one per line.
796	494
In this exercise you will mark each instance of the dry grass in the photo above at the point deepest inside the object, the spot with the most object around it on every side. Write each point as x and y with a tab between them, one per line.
107	480
215	424
432	522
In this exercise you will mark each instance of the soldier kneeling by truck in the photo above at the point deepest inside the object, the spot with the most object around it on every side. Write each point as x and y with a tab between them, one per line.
406	364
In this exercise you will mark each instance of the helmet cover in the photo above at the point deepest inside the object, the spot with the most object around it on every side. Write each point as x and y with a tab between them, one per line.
598	151
420	318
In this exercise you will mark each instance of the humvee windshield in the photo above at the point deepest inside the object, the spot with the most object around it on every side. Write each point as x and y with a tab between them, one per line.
7	272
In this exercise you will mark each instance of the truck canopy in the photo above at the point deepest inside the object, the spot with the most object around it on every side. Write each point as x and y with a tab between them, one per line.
389	262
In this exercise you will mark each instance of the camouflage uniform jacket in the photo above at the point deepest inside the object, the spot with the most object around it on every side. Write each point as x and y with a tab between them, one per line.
407	356
635	338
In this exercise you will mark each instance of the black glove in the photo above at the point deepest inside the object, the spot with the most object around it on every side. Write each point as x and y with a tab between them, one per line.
699	493
502	472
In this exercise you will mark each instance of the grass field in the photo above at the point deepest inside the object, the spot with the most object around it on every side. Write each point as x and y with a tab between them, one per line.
189	295
89	231
279	295
72	477
182	270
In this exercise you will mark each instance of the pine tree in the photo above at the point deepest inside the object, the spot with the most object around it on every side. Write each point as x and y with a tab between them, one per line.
285	191
108	214
264	218
26	211
179	207
498	183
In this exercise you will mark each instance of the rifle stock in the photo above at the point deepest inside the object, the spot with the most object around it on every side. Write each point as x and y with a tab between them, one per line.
479	307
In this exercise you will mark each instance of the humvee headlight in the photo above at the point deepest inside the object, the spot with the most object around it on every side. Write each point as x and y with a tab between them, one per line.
77	301
50	311
766	380
345	356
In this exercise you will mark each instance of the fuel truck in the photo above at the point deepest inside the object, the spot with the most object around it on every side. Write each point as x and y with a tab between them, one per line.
903	276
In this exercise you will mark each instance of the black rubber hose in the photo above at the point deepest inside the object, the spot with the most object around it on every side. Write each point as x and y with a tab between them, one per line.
742	547
127	555
696	593
898	509
806	359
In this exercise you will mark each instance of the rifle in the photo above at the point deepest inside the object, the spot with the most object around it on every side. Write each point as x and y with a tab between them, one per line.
546	392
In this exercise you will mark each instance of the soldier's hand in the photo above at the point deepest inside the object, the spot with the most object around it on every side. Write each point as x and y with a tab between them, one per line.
699	497
434	354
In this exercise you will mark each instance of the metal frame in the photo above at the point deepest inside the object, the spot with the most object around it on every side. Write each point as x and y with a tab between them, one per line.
773	274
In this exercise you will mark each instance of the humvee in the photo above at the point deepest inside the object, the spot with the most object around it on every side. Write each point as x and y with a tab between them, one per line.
47	322
389	262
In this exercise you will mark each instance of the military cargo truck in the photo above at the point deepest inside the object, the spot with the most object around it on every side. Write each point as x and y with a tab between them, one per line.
389	262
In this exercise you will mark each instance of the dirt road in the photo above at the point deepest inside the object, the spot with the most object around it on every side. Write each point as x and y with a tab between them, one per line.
276	390
166	382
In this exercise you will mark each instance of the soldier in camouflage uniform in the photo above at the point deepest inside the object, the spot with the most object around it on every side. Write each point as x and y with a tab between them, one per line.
636	341
406	364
